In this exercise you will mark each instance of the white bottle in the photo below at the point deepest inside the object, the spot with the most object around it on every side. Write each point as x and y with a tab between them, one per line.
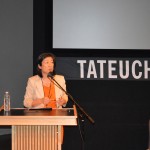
6	101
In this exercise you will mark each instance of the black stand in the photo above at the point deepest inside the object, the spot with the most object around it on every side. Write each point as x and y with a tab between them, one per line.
81	129
82	114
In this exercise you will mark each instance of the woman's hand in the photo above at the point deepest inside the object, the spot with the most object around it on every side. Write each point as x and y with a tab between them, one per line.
61	101
37	102
46	100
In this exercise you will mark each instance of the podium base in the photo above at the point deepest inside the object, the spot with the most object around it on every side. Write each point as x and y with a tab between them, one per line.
45	137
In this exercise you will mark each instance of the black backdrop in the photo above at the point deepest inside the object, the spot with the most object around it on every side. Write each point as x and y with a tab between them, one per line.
120	108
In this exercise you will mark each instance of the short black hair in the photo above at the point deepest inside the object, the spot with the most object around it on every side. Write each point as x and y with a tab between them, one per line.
41	58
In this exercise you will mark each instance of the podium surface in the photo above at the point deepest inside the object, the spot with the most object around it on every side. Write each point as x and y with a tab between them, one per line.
38	129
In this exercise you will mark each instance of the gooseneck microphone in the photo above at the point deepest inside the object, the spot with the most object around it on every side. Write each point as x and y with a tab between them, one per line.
50	74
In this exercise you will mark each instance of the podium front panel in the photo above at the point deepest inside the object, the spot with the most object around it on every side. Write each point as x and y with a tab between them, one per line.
35	137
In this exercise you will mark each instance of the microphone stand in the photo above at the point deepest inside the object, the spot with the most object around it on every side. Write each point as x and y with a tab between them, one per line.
80	116
77	105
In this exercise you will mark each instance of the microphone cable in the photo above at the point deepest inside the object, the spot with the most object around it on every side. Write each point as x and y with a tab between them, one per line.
81	130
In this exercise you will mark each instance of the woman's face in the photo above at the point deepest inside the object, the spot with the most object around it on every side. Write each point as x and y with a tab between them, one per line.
47	65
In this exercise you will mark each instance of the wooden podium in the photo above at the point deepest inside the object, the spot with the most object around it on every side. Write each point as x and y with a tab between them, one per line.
38	129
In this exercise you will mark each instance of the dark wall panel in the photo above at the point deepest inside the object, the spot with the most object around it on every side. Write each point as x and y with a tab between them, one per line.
120	110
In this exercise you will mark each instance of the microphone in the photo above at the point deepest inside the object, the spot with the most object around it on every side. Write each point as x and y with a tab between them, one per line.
50	74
